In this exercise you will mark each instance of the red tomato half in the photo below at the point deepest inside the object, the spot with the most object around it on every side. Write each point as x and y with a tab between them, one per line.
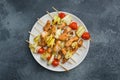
55	62
73	25
86	35
41	51
61	15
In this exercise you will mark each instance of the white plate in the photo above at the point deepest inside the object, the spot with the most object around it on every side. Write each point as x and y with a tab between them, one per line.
83	52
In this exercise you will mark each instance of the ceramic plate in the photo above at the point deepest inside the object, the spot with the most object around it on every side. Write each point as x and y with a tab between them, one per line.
78	58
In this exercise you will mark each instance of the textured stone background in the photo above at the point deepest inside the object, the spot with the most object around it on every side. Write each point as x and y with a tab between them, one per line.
102	18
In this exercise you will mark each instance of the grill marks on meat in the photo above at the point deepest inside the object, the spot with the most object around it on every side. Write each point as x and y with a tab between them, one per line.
47	26
63	36
69	42
61	26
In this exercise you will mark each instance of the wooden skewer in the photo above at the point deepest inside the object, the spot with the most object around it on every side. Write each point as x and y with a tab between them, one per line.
37	29
77	53
28	41
63	67
69	62
83	46
55	9
38	18
91	39
73	60
31	34
81	49
40	22
49	14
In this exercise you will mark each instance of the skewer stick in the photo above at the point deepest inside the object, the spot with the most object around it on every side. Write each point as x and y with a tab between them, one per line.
77	53
80	49
49	14
73	60
83	46
91	39
38	18
63	67
28	41
40	22
37	29
69	62
55	9
31	34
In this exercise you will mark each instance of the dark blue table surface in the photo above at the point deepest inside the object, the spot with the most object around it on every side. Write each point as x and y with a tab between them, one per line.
102	18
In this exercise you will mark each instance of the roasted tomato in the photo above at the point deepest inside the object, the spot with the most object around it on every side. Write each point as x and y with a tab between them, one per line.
41	50
73	26
86	36
61	15
55	62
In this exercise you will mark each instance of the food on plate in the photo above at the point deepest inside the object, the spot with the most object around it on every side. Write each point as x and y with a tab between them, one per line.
60	39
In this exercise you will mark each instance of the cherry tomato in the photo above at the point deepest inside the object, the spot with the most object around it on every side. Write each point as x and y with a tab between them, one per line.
41	51
86	35
73	25
55	62
61	15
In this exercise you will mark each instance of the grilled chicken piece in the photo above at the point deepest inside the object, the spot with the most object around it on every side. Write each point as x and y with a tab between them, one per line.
44	34
69	42
47	26
53	29
56	48
49	50
63	36
74	50
66	30
43	44
59	56
80	43
61	26
74	38
64	60
42	41
64	51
